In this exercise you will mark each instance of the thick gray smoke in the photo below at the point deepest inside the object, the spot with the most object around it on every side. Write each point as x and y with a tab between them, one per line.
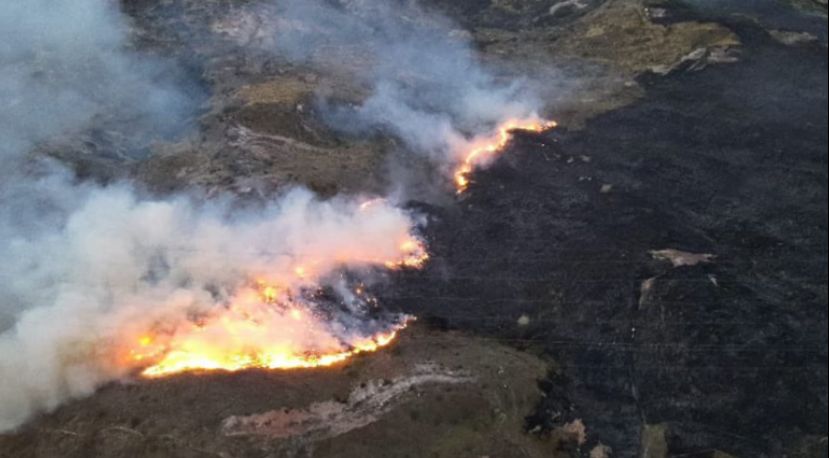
63	63
428	86
64	68
114	267
96	281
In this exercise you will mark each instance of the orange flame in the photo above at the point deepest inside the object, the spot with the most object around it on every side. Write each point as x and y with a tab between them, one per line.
413	251
265	326
415	255
195	351
253	333
482	150
269	324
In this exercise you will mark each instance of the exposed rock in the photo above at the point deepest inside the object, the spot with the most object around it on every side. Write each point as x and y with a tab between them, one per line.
654	441
366	404
697	60
563	6
790	38
523	320
573	432
682	258
601	451
646	291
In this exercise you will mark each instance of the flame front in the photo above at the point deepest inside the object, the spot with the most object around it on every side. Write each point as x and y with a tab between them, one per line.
482	150
264	328
276	321
272	320
239	341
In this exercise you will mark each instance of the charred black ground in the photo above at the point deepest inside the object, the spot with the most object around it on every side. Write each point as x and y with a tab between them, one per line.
729	355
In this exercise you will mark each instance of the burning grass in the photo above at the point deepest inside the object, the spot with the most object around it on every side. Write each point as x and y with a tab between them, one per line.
296	317
482	150
276	321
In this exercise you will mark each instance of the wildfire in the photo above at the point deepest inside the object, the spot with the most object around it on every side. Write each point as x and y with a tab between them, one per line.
482	150
416	255
198	352
413	251
265	328
274	322
277	321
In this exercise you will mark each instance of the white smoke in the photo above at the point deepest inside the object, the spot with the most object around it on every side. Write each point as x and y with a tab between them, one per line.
117	266
62	63
88	268
429	88
66	67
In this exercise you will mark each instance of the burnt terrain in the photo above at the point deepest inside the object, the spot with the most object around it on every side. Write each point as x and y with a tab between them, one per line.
728	354
648	279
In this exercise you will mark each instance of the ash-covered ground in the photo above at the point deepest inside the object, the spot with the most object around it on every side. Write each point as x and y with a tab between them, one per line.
648	279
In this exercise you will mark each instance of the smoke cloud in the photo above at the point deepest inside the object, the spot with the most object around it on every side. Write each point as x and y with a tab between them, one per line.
64	68
98	281
116	266
428	86
65	63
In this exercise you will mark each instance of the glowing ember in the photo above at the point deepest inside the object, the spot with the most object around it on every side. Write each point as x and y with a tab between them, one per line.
482	150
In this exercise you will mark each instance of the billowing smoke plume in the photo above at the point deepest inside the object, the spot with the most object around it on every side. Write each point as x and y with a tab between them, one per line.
428	86
64	68
116	269
97	282
63	63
